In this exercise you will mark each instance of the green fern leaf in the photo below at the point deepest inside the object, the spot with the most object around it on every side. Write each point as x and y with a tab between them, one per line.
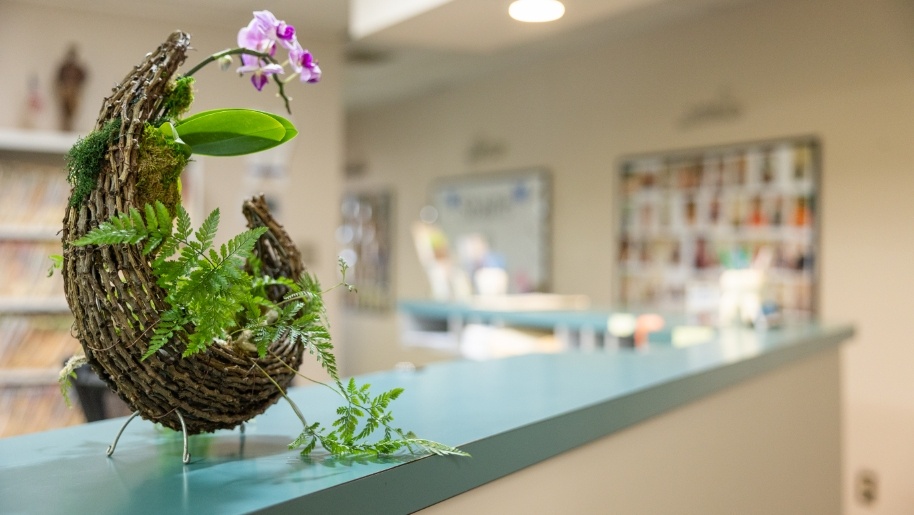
310	447
207	231
240	246
152	220
164	331
136	218
183	226
119	229
436	448
165	219
151	243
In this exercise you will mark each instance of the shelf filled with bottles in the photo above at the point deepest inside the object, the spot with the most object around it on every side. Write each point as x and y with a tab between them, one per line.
685	217
35	321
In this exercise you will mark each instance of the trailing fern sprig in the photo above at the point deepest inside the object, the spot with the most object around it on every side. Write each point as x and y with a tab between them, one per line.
361	417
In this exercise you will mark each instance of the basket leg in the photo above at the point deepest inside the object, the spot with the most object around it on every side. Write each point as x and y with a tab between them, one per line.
186	457
111	447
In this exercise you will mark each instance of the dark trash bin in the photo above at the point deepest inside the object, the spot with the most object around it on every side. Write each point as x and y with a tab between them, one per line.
97	401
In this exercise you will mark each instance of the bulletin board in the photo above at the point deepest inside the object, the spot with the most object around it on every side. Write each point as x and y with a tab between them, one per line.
365	236
499	219
686	216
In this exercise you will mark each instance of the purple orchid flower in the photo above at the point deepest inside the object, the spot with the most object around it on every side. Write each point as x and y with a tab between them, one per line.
304	64
277	30
260	73
256	38
262	35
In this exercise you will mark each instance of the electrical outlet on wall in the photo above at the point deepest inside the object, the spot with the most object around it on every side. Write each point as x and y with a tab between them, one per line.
866	488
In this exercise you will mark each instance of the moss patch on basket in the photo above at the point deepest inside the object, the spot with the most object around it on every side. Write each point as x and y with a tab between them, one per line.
85	158
160	161
159	166
179	97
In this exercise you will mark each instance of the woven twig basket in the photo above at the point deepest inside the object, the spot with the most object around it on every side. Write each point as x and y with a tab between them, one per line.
116	302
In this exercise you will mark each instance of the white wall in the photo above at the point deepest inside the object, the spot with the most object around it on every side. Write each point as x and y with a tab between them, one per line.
33	41
841	70
778	458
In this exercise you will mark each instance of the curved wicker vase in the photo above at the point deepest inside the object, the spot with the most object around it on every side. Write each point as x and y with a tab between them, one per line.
116	302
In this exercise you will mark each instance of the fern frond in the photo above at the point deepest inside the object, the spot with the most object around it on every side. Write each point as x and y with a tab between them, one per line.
131	228
165	218
241	246
436	448
183	226
159	224
136	218
170	323
187	256
322	350
121	228
151	243
382	401
207	231
261	282
309	438
152	221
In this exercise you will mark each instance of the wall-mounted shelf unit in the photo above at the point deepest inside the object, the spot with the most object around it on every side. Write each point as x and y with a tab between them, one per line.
686	216
35	320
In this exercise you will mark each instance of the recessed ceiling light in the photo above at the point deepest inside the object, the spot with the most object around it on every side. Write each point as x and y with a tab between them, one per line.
536	11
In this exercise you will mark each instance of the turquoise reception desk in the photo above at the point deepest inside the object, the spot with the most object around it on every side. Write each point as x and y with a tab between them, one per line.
592	431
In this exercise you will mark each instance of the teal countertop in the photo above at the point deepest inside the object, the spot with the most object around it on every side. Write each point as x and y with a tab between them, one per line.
507	413
533	318
576	318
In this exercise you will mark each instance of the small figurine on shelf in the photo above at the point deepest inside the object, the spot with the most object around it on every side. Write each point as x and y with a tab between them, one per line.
70	79
34	104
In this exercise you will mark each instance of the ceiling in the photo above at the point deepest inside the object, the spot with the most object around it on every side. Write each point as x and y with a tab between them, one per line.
466	39
449	42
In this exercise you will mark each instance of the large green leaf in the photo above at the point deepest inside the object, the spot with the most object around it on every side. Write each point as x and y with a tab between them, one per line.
234	132
291	131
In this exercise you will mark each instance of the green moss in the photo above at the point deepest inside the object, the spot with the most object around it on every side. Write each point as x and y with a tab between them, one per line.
85	159
179	98
159	165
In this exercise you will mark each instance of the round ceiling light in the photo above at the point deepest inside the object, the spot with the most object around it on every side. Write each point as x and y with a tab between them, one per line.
536	11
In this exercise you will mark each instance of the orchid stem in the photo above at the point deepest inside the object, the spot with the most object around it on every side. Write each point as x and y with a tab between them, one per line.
244	51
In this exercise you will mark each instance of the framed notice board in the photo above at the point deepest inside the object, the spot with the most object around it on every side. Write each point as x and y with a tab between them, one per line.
365	235
501	220
686	216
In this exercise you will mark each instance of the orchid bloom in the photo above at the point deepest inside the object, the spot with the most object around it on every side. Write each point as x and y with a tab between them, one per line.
276	30
304	64
262	35
261	73
256	37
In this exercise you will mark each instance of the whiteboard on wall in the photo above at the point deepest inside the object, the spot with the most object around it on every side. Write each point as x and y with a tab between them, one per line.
499	220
